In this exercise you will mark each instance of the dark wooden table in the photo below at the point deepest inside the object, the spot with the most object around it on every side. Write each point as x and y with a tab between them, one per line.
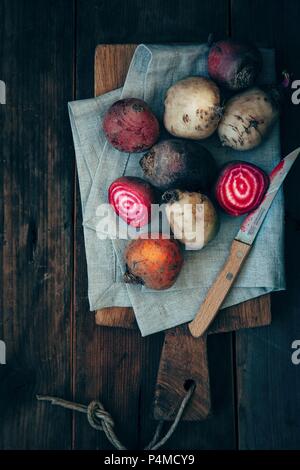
53	346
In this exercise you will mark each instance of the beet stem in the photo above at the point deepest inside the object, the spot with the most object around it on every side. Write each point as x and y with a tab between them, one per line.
170	196
130	278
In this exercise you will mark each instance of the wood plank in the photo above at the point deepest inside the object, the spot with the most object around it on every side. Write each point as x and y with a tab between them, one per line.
183	363
117	317
117	61
37	170
111	66
216	432
268	382
128	393
249	314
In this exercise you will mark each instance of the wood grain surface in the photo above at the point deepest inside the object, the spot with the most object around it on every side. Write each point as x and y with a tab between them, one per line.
53	344
36	185
183	363
111	67
268	383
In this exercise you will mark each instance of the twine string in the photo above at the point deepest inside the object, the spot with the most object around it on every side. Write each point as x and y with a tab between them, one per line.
101	420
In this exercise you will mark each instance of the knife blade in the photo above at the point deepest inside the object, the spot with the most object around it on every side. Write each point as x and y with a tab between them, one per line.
252	223
240	249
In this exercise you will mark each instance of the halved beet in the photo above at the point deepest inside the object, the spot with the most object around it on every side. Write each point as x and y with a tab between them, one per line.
131	199
241	187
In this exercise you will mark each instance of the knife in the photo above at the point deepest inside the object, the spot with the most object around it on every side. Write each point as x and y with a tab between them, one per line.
240	249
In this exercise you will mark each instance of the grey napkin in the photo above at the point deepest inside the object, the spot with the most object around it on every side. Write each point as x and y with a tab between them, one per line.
153	69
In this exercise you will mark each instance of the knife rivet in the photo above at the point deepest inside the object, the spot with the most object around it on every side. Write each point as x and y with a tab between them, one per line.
229	276
239	254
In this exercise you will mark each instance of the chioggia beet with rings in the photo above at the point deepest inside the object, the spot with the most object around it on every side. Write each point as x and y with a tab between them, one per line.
241	187
131	199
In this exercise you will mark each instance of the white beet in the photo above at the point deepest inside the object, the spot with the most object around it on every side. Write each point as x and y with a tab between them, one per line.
247	118
192	218
192	108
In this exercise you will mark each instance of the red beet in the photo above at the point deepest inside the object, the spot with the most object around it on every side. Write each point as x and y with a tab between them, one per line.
179	164
131	198
130	126
233	64
241	187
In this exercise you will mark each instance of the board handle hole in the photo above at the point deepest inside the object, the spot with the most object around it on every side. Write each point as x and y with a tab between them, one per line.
188	384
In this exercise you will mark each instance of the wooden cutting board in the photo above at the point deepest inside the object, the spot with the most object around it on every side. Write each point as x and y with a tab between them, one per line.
183	358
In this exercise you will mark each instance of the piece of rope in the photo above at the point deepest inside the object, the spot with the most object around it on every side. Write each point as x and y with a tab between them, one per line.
101	420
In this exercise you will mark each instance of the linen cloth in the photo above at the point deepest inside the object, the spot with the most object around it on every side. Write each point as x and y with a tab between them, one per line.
154	68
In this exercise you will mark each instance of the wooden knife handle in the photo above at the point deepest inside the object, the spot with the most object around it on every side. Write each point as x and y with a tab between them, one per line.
220	288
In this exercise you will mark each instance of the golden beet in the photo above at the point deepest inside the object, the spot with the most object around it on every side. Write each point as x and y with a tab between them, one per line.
155	263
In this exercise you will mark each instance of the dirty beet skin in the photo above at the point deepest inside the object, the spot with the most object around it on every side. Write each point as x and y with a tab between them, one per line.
155	263
234	65
130	125
179	164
